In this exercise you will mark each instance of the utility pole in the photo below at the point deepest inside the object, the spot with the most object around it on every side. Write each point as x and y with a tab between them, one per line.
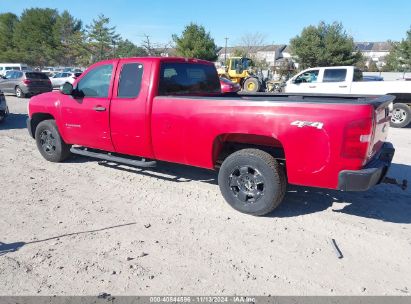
225	50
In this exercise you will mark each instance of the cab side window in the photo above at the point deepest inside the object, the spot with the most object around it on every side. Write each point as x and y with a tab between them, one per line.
130	80
357	75
97	82
308	76
335	75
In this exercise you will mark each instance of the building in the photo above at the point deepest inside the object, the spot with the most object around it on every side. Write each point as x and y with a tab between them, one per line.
374	51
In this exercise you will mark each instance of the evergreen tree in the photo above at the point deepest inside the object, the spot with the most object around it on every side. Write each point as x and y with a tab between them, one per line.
101	38
372	66
70	37
126	48
399	59
33	37
324	45
195	42
8	22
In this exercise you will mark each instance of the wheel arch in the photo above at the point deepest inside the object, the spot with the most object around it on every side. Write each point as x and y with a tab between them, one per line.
404	98
37	118
228	143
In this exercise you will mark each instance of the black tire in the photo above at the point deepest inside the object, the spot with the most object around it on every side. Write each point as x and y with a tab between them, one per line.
3	115
49	142
401	115
251	85
19	93
252	182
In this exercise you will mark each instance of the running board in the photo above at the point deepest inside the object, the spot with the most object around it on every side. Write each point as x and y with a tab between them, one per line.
116	159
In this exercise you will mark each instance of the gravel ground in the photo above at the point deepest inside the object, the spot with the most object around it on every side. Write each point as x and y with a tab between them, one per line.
81	227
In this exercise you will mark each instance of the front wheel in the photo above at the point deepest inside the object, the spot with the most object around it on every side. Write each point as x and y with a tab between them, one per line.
49	142
251	85
401	115
252	181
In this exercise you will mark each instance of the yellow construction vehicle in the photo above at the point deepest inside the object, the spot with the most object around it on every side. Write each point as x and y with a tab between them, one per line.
240	70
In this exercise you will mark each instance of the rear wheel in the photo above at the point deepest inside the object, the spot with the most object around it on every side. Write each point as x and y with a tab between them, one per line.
19	92
252	181
251	85
49	142
401	115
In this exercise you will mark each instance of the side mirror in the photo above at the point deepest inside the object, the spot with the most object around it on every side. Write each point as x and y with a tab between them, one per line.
66	89
296	81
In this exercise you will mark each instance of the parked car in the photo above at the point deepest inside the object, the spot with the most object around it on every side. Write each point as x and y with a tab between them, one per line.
4	67
48	69
4	110
227	86
61	78
372	78
136	111
348	80
26	83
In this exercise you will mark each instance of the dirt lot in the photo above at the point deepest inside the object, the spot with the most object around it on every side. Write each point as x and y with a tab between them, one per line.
81	227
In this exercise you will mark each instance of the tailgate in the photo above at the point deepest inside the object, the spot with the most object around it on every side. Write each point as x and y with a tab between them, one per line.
382	117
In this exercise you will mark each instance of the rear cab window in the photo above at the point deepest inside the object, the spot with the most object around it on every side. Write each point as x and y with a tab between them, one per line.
357	75
181	78
335	75
34	75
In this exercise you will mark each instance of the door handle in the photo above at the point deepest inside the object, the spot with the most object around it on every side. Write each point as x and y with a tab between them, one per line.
312	87
99	108
342	86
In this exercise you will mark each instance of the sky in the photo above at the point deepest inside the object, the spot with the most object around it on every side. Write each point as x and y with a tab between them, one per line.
277	21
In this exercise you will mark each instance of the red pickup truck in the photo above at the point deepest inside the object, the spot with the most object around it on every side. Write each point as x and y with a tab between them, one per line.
138	110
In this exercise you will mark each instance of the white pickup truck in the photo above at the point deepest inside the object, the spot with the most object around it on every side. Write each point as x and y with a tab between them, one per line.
348	80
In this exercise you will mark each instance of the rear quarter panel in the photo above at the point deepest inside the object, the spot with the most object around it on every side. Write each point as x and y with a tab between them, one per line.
185	130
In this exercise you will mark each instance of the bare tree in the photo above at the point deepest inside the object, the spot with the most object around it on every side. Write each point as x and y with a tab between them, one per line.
252	42
155	49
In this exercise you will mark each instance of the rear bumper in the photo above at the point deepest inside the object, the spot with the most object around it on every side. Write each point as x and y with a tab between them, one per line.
373	173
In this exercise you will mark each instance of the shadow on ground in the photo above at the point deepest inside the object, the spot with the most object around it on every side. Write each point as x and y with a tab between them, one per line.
383	202
13	247
169	172
387	203
14	121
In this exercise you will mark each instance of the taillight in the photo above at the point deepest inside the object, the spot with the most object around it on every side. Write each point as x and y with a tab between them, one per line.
26	81
358	136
